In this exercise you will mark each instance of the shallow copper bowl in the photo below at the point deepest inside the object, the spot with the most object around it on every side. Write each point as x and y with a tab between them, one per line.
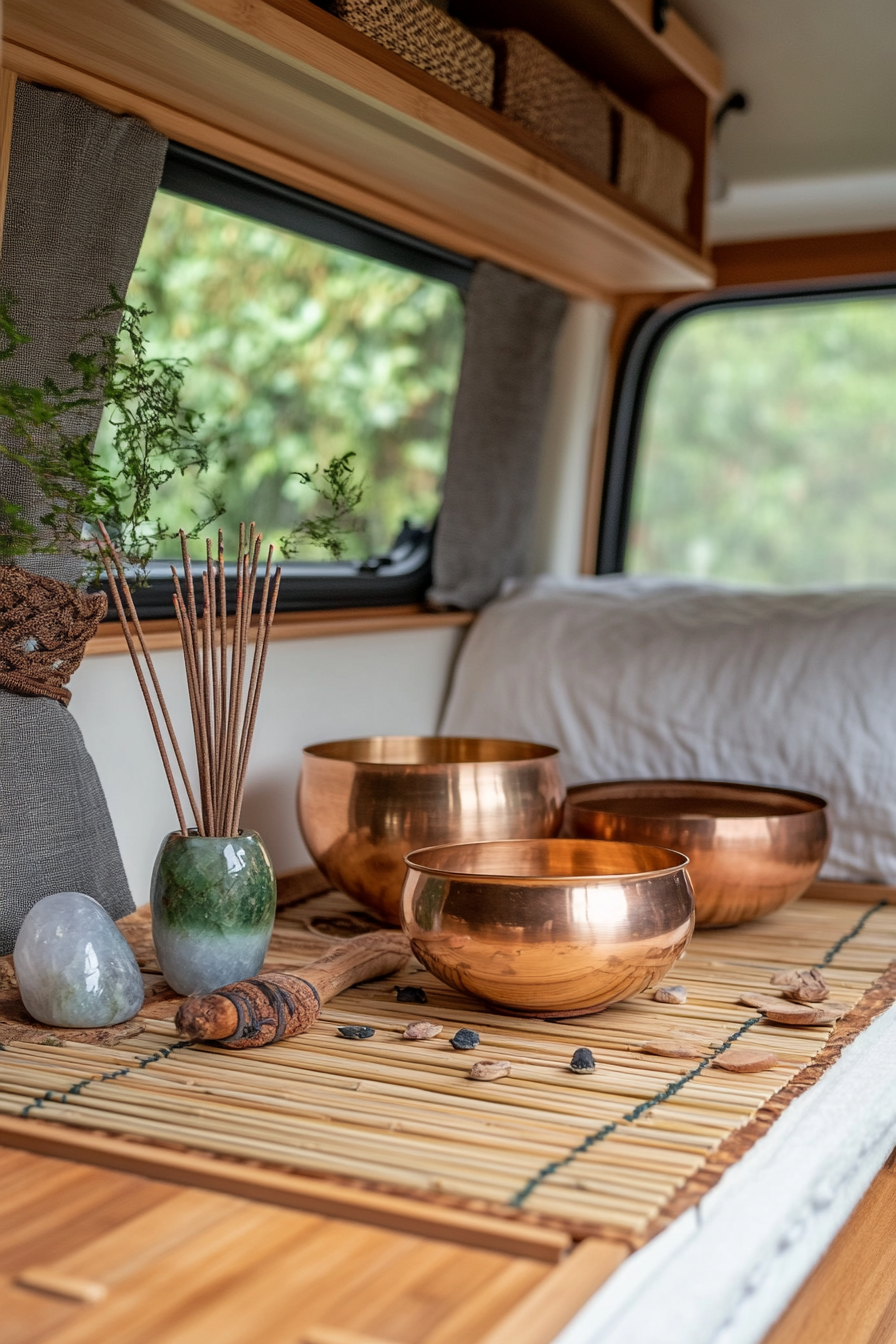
752	849
364	803
548	928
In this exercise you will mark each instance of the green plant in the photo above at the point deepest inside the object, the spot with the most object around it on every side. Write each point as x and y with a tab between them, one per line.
151	438
339	494
154	438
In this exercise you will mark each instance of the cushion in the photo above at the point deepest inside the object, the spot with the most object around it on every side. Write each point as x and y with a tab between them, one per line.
646	678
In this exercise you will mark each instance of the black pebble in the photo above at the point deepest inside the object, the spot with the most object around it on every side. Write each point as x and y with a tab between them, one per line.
582	1061
409	994
356	1033
465	1040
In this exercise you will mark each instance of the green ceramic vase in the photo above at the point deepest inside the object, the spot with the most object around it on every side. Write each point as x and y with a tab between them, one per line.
213	904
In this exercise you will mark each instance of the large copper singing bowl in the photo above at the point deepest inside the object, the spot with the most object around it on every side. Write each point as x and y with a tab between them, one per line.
363	804
752	849
548	928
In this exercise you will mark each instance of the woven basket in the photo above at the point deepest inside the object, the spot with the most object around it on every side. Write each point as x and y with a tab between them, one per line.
653	167
427	38
538	90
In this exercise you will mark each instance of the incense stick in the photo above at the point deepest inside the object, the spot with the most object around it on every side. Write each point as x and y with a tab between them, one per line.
223	717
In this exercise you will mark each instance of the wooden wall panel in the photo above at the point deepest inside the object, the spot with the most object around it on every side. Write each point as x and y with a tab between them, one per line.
779	260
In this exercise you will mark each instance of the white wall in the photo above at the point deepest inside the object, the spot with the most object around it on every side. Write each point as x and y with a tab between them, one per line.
314	690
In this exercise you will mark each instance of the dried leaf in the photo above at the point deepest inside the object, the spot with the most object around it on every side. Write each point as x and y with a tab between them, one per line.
741	1059
674	1048
808	987
760	1001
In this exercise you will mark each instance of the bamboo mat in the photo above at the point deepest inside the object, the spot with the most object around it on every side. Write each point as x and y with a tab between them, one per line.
601	1152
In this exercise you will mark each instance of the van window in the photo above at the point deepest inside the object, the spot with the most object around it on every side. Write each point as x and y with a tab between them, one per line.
766	450
301	352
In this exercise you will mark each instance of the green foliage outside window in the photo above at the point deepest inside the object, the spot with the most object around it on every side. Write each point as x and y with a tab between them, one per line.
768	451
302	353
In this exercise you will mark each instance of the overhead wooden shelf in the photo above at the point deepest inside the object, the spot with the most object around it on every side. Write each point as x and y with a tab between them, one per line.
612	40
289	91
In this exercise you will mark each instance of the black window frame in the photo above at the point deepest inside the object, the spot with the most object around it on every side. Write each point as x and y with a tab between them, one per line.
403	576
636	366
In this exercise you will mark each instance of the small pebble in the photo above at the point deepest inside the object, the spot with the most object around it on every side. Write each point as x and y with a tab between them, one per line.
51	1040
356	1033
673	1049
488	1070
465	1039
421	1031
582	1061
409	994
671	994
740	1059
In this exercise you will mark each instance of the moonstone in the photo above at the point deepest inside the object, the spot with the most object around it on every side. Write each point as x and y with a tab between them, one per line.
73	966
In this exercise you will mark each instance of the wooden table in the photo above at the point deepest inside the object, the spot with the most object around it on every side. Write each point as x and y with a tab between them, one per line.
185	1266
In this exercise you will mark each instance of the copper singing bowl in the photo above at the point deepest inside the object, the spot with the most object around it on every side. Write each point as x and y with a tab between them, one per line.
548	928
752	849
363	804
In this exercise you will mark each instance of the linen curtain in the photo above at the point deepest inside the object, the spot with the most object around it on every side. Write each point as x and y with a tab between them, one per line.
486	523
80	188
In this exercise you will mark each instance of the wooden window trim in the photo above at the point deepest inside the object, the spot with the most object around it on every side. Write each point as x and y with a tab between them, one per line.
163	634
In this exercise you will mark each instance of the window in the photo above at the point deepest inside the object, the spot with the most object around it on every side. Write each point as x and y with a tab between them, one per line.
310	333
761	442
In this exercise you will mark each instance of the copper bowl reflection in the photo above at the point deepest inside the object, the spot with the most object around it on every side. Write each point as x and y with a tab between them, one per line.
364	803
548	928
752	849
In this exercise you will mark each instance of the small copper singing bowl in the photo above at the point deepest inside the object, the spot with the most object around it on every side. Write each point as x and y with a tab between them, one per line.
752	849
363	804
548	928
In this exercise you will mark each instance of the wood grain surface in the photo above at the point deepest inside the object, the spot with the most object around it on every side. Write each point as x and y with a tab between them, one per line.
290	98
188	1266
850	1298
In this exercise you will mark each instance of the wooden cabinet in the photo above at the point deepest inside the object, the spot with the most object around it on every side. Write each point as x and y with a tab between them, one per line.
289	91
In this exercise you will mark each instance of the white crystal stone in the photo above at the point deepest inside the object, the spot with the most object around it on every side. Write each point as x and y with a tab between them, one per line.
73	966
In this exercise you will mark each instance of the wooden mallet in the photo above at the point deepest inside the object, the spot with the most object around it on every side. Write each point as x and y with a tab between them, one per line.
274	1005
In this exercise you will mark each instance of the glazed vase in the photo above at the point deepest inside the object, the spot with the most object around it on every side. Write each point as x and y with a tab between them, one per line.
213	904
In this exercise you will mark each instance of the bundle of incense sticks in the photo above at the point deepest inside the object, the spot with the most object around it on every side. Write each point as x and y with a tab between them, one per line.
223	707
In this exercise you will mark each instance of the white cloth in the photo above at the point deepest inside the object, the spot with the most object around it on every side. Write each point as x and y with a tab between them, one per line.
723	1272
645	677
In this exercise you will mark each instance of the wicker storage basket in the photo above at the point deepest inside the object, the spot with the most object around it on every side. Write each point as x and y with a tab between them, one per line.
428	38
653	167
538	90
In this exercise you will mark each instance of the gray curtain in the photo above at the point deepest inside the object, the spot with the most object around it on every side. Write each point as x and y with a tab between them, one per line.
81	185
488	510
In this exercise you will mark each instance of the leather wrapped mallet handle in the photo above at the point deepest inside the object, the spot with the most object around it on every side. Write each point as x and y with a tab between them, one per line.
274	1005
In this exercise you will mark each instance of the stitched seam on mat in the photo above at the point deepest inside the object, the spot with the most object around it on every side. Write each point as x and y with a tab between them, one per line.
847	937
551	1168
77	1088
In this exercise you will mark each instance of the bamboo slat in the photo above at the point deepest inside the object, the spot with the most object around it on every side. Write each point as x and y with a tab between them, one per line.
603	1153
